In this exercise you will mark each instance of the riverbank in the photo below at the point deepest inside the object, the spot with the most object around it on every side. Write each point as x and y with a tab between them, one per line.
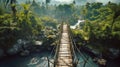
109	62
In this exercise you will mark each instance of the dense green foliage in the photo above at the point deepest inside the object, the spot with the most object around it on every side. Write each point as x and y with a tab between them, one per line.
26	25
27	21
68	13
101	28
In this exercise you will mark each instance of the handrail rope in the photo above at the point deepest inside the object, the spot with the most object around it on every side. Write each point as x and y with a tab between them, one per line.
74	52
52	52
75	58
72	45
84	58
58	44
55	57
55	46
50	56
74	41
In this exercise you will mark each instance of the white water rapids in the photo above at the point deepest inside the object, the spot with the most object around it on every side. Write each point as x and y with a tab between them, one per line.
77	24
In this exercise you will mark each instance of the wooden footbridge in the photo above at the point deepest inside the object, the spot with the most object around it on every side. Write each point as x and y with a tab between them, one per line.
64	53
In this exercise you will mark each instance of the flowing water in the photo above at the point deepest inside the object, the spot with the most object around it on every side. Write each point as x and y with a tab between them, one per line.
32	60
85	61
38	59
77	24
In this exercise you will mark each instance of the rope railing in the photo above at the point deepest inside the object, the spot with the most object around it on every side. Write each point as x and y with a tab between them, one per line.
48	57
52	52
56	50
75	58
58	44
83	57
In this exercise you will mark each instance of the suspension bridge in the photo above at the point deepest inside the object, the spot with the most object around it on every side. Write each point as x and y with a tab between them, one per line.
64	56
65	51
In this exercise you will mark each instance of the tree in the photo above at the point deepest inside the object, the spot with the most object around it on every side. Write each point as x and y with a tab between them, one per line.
47	1
65	11
13	7
116	10
2	11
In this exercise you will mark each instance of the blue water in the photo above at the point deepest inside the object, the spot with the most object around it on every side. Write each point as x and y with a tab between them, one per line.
89	61
38	60
18	61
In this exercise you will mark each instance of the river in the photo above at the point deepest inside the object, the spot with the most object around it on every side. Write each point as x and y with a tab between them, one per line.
89	61
37	59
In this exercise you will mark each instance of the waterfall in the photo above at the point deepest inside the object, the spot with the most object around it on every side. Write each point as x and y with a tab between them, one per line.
77	24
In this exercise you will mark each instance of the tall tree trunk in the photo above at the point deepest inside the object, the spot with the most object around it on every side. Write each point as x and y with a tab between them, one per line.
14	11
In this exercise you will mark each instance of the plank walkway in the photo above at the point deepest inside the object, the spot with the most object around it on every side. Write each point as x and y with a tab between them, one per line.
64	56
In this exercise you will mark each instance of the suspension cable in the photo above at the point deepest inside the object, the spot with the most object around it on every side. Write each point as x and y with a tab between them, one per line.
72	46
83	57
58	44
52	51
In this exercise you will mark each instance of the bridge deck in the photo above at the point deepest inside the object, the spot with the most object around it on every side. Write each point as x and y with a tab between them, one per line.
64	55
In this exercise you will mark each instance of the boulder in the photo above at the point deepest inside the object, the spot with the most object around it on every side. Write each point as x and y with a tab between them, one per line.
114	53
25	53
14	50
